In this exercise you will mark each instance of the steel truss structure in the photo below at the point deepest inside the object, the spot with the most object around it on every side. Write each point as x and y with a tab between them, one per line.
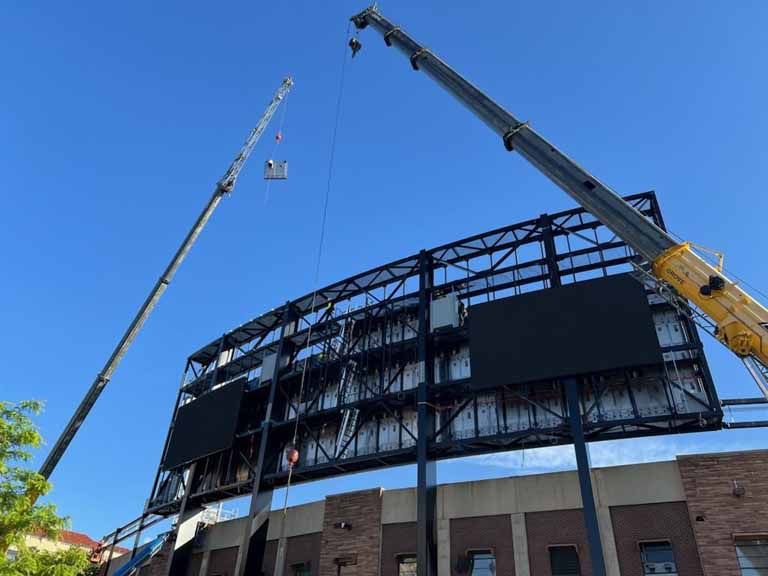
377	380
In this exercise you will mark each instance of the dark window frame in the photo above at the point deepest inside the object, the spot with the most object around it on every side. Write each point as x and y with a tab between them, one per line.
574	547
641	543
403	556
471	551
296	566
760	538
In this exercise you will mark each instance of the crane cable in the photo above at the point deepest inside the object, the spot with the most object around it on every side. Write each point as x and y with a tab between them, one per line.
321	243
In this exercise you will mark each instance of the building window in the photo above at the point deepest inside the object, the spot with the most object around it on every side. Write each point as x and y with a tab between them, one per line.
564	561
482	563
753	556
301	569
406	566
11	555
657	558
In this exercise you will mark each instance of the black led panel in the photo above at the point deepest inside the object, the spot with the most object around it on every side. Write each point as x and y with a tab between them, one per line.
205	425
582	328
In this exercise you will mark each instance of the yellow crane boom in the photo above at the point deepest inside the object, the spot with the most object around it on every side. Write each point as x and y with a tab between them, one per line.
741	322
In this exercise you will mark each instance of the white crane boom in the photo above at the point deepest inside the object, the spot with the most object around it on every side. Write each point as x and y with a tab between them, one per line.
224	186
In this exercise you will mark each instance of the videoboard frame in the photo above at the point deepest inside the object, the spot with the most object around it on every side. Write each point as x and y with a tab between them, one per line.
383	386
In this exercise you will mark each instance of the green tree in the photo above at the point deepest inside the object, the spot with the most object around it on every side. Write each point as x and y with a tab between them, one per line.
70	562
19	513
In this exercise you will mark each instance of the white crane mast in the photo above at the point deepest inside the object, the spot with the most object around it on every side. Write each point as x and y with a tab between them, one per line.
224	186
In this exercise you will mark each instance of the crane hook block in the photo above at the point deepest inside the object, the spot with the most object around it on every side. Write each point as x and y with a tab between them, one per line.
355	45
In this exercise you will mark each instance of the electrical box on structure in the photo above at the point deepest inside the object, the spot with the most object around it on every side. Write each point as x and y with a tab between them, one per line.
290	328
444	312
276	170
268	367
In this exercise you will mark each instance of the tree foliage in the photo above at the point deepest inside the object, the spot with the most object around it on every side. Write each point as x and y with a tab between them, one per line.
69	562
20	488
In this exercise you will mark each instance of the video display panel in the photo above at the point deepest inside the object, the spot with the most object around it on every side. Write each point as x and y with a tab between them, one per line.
205	425
586	327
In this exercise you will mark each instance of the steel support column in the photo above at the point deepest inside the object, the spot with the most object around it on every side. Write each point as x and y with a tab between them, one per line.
550	251
181	519
137	538
426	489
115	540
577	428
585	477
250	553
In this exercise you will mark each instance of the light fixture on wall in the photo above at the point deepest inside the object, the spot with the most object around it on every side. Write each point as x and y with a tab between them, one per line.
343	526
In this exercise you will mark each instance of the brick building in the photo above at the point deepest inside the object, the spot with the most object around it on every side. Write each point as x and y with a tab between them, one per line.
701	515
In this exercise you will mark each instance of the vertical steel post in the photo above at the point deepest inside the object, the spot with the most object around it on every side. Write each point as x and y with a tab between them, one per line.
111	552
139	530
426	490
574	412
251	550
585	477
550	251
657	215
180	519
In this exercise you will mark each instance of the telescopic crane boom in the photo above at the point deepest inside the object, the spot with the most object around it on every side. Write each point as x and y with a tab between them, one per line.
738	320
224	186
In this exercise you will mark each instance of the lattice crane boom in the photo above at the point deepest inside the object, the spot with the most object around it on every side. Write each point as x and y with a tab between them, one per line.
230	177
224	186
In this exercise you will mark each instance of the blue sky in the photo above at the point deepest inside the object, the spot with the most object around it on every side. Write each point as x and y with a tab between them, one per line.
117	119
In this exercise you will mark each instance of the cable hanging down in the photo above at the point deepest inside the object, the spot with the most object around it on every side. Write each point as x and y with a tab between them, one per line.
292	454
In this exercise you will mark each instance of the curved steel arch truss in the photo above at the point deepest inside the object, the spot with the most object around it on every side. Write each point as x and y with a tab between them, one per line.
382	388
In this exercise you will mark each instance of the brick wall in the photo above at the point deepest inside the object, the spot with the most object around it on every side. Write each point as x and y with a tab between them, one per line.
709	489
667	521
362	510
555	528
396	539
494	532
303	549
